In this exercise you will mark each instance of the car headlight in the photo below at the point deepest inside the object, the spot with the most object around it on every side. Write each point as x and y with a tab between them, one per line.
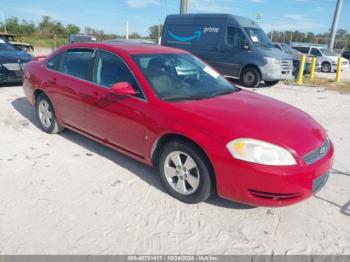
271	60
260	152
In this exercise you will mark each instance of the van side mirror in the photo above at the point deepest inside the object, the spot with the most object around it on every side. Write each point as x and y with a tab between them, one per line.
124	89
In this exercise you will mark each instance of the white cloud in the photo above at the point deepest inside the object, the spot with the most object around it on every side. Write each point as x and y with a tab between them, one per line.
296	16
142	3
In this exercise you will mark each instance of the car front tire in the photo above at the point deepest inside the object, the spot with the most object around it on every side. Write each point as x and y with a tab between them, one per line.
46	115
185	172
326	67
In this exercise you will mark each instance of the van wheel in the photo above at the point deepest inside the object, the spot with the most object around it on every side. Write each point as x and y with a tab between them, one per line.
184	172
326	67
250	77
46	115
271	83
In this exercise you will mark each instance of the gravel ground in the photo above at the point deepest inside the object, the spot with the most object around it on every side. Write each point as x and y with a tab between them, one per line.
65	194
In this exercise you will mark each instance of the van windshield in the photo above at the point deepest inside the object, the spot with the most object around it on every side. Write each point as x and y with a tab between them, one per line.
258	37
179	77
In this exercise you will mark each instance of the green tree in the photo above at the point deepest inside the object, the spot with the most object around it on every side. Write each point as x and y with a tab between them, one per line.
72	29
154	31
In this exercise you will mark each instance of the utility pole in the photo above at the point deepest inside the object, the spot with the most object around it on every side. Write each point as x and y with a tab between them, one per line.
127	30
335	23
184	6
4	21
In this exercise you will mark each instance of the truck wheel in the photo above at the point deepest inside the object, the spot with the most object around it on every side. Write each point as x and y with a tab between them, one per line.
271	83
184	172
250	77
326	67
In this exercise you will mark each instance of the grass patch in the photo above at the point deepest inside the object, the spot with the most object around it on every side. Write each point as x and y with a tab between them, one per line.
44	42
342	87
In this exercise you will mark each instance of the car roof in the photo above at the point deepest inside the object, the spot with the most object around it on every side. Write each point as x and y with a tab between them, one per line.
130	48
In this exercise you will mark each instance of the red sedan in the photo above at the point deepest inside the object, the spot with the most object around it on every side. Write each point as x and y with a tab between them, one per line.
168	109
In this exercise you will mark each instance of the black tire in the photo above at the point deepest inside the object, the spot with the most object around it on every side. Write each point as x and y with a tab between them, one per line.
250	77
205	185
53	127
326	67
271	83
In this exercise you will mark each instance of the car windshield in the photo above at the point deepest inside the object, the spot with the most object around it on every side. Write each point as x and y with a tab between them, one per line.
4	46
327	52
258	37
177	77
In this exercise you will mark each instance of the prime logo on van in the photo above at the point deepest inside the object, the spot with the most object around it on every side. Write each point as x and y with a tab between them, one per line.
196	35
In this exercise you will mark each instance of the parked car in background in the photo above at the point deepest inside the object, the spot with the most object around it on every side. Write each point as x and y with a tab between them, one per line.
131	41
346	54
15	40
327	58
202	133
236	46
296	55
12	62
77	38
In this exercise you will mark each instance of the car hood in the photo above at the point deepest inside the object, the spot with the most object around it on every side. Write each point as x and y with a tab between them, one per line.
14	57
275	53
248	115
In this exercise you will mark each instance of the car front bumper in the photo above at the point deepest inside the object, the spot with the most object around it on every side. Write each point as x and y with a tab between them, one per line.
261	185
279	71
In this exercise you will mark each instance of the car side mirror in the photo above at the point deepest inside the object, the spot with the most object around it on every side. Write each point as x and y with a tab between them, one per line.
124	89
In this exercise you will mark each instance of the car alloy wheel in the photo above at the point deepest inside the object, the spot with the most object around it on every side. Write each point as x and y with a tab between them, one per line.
181	172
326	67
45	114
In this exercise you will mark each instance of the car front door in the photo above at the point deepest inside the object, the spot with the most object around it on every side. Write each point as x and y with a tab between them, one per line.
68	84
232	55
114	119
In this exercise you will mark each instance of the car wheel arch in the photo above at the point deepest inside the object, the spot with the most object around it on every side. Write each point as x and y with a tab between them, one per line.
169	137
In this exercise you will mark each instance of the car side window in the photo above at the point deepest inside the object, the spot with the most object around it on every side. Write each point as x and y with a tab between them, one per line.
54	62
234	37
110	69
315	52
76	62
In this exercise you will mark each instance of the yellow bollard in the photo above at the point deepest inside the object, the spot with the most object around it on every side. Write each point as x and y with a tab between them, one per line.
301	70
312	69
339	67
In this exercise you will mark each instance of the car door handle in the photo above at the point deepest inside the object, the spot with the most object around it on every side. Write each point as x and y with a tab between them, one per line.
93	95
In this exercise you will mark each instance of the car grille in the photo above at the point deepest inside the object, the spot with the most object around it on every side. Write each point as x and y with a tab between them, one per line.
286	65
319	182
317	154
12	66
273	196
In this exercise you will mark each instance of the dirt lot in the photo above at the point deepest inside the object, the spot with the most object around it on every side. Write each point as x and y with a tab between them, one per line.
65	194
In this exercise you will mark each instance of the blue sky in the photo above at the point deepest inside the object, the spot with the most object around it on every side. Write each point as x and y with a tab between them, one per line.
111	15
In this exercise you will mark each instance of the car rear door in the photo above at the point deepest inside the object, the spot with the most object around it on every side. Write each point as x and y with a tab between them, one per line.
116	120
69	82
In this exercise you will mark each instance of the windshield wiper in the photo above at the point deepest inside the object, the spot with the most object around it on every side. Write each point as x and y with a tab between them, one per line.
223	92
182	98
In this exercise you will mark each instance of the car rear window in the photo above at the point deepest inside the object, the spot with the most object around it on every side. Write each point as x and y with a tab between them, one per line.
77	62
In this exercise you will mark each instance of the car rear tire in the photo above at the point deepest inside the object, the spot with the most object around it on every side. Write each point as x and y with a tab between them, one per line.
271	83
185	172
326	67
250	77
46	115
